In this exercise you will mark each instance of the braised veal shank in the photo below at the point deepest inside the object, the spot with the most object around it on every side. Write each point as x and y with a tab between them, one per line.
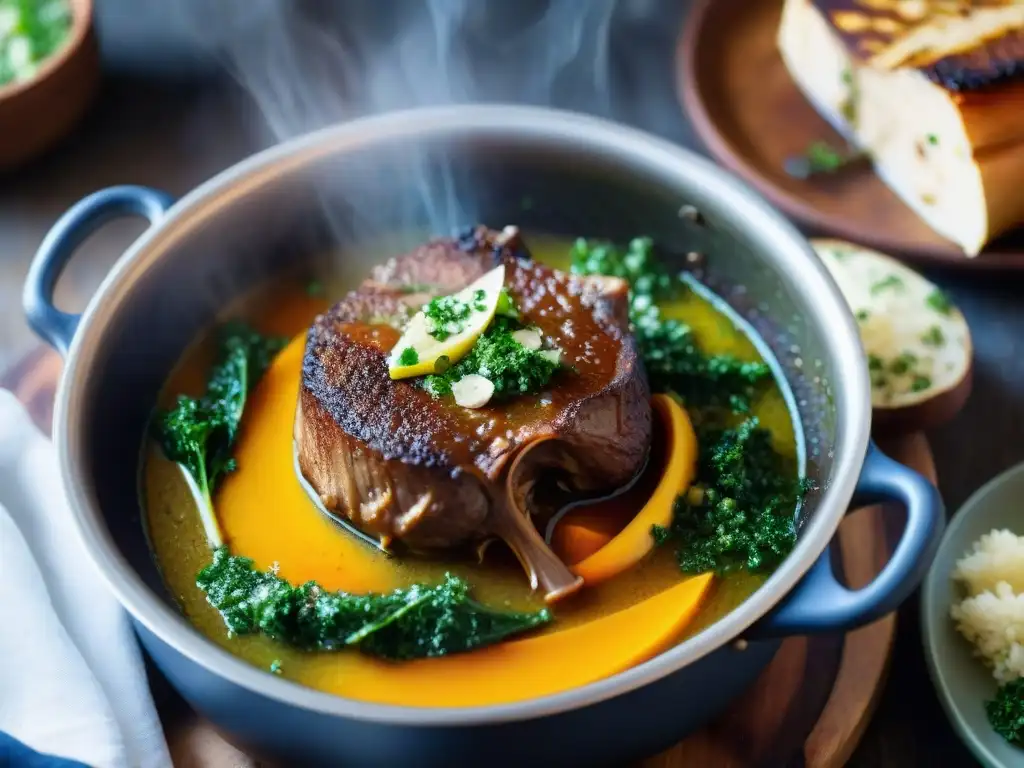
403	465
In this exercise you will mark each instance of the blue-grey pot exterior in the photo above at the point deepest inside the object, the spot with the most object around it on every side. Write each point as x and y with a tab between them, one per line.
350	186
609	733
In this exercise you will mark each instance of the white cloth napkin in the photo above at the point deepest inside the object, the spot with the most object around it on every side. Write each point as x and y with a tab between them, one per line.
72	682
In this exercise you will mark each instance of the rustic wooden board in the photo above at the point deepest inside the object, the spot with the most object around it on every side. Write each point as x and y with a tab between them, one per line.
813	701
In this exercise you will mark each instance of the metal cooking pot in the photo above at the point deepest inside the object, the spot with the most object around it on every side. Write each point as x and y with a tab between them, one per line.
351	184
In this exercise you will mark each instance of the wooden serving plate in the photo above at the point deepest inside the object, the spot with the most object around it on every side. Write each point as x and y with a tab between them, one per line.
811	704
751	116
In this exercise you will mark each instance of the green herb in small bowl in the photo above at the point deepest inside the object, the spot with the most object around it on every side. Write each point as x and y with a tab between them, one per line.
31	31
49	73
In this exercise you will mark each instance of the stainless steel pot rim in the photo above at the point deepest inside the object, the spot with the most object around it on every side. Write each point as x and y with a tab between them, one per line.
515	123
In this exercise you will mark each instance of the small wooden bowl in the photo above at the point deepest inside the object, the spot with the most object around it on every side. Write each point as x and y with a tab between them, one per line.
34	114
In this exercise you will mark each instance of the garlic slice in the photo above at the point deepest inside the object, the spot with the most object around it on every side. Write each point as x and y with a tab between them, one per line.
528	337
472	391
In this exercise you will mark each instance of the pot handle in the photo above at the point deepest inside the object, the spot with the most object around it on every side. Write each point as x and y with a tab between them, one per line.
55	327
819	603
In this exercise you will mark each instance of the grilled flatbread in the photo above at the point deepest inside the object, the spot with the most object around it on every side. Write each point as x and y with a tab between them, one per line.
932	90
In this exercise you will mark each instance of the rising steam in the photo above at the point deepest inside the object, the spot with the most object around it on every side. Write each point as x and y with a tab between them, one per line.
309	65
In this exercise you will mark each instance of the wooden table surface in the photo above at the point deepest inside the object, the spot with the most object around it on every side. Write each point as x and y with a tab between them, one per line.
173	134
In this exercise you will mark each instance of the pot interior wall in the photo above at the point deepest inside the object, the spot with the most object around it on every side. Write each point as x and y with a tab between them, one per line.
285	216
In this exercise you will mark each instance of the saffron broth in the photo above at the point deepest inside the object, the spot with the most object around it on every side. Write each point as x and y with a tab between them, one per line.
266	515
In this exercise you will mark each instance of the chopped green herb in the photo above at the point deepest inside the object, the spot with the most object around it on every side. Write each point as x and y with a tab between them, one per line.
848	108
889	283
479	300
276	666
673	360
661	534
862	315
446	316
676	364
415	622
824	158
314	288
1006	712
940	302
820	158
933	139
920	383
30	32
903	363
637	265
745	517
199	433
879	381
933	337
875	363
497	356
409	356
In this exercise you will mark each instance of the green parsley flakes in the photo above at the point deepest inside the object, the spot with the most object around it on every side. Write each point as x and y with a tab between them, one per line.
447	315
409	356
498	357
892	282
903	363
940	302
933	337
818	158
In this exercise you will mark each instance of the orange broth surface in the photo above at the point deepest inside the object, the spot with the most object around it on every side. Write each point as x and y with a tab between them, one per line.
266	515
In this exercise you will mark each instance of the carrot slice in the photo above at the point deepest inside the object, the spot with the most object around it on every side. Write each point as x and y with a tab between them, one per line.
536	666
581	533
585	528
633	542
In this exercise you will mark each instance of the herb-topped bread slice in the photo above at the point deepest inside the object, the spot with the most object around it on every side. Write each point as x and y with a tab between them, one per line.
917	343
932	91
